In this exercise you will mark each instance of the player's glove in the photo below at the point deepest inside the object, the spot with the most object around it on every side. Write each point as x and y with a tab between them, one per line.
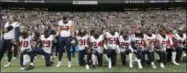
118	49
73	41
105	46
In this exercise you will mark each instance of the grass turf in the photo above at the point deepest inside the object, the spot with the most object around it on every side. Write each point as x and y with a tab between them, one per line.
40	67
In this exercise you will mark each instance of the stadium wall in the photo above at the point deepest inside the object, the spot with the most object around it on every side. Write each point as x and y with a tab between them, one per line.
101	5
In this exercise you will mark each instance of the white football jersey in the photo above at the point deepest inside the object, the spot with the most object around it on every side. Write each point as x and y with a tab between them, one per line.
162	41
112	40
25	43
97	43
138	41
149	39
65	30
180	39
82	42
11	34
125	44
47	43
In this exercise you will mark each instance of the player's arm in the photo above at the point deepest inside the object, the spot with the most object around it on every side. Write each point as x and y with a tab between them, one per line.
157	42
133	43
88	47
40	43
90	43
19	41
72	28
105	41
32	41
58	30
117	41
146	40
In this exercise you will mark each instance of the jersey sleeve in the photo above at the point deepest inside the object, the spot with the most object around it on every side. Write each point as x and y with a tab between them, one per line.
41	37
184	37
132	38
18	24
144	37
52	37
167	37
102	37
176	36
20	39
6	25
117	34
90	39
157	36
154	36
59	22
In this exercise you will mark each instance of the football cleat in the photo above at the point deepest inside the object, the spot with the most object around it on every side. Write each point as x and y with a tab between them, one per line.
139	64
7	65
109	63
87	67
93	67
130	65
153	65
162	65
14	58
22	68
59	64
175	63
69	64
29	67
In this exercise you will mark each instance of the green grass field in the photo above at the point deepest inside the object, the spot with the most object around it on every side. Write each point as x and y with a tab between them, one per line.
40	67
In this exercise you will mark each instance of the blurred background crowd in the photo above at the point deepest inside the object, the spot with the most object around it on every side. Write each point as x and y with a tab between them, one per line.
147	20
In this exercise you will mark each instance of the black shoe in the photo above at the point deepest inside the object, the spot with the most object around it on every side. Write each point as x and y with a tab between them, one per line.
29	67
93	67
51	64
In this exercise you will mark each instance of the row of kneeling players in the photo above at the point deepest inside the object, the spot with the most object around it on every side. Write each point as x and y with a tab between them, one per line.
140	48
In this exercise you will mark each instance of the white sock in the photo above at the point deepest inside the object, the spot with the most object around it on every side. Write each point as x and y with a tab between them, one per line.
109	63
26	59
8	63
69	62
93	59
130	58
184	54
139	63
60	62
106	57
173	56
32	64
85	57
152	63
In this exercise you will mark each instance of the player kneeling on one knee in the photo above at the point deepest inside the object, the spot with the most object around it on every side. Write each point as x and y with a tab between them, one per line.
149	39
125	48
83	39
46	42
96	43
111	44
25	44
138	46
161	44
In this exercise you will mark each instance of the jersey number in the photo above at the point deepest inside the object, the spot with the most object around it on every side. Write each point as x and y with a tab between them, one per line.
24	43
96	45
141	43
46	43
64	28
124	44
112	41
82	42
